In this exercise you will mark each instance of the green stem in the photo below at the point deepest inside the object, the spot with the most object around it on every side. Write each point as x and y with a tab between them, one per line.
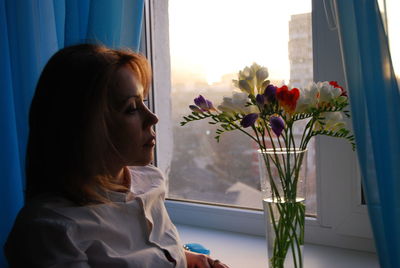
286	220
241	130
291	214
291	218
274	189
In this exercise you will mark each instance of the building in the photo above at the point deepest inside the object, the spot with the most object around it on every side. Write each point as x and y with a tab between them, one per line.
300	50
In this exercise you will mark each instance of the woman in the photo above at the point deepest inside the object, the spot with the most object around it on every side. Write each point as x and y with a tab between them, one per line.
86	205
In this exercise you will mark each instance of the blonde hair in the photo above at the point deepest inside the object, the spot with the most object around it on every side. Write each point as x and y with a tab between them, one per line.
71	106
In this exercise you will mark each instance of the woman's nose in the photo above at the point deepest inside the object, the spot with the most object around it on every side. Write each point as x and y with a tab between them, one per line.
154	118
151	119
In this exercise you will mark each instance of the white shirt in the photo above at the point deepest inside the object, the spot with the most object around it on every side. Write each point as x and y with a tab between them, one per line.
134	231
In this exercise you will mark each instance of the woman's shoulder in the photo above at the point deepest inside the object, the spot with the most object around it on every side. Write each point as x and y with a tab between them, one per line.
37	217
40	234
42	211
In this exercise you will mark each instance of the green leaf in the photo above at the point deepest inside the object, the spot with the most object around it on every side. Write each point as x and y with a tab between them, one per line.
341	133
302	116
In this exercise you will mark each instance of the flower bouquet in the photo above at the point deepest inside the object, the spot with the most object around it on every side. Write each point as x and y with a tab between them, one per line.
268	115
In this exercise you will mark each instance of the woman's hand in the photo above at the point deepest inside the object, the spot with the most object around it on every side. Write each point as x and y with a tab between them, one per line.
197	260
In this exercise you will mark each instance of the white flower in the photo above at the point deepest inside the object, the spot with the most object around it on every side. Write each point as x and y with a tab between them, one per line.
309	97
237	104
333	121
246	74
327	92
261	74
252	80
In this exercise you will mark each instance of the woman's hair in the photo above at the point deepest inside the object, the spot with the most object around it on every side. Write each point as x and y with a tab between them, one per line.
69	137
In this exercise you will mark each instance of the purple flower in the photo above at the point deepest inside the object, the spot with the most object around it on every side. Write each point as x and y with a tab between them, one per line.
277	124
249	120
203	103
195	109
270	93
260	99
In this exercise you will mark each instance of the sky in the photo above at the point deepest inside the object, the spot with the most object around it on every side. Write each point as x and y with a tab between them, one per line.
216	37
393	7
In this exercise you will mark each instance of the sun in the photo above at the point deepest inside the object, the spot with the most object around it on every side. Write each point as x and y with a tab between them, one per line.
212	77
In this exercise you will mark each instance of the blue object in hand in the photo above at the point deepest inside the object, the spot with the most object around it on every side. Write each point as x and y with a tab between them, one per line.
194	247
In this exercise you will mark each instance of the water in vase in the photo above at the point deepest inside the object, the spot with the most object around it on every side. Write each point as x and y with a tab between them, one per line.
285	232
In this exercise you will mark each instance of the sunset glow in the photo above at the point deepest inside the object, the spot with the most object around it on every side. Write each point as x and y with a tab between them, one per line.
214	38
211	38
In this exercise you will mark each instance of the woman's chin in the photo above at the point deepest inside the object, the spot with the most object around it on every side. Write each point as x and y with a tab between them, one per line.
143	162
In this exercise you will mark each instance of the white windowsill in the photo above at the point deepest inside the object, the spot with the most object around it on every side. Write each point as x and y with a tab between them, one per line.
241	250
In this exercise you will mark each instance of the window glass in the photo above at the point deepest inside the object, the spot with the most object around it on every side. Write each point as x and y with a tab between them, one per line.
210	41
393	22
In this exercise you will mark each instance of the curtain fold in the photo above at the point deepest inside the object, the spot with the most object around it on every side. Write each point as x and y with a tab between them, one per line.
30	32
375	101
9	153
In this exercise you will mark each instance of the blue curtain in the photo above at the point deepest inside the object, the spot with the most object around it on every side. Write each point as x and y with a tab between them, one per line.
30	32
375	101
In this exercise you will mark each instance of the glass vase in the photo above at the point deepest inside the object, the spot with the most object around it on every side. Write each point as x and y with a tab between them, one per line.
282	177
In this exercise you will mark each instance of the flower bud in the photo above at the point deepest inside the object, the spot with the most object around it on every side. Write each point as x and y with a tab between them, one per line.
260	100
204	104
249	120
277	124
270	93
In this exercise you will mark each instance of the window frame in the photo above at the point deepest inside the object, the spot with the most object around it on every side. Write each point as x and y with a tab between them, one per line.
342	222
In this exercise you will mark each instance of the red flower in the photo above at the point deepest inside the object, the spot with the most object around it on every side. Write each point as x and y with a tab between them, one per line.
287	98
336	85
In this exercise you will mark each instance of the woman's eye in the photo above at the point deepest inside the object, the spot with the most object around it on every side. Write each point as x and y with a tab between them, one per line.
131	109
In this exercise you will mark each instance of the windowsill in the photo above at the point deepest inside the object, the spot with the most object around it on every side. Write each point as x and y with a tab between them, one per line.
241	250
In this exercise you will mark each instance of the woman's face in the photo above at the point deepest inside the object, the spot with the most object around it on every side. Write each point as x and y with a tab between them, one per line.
132	122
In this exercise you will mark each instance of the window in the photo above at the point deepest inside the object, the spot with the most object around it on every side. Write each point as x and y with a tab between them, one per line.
392	20
341	220
205	56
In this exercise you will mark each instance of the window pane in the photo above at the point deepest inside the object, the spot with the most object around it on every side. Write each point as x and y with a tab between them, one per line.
210	42
393	21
